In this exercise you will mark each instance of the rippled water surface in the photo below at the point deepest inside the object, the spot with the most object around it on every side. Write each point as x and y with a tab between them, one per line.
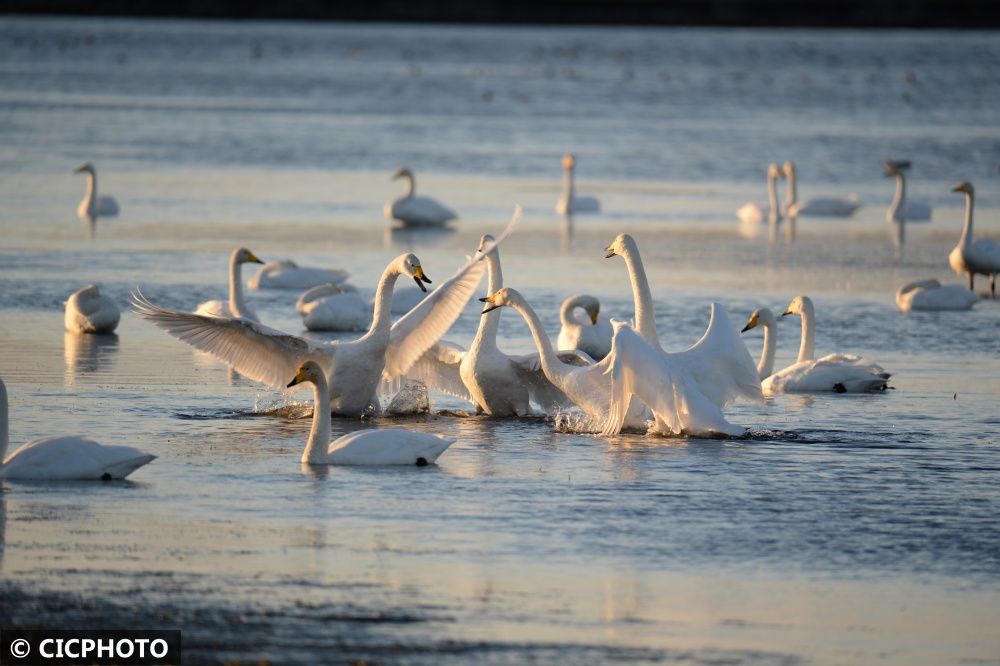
844	529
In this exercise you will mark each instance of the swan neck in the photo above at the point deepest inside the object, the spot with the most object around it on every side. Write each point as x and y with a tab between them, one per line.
967	229
236	303
4	432
567	185
765	368
566	313
91	195
644	319
489	323
772	198
808	333
551	365
898	198
410	188
792	195
318	443
383	303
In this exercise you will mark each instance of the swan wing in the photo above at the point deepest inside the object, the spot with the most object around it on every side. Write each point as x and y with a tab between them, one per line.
72	457
386	446
843	373
540	389
438	368
986	254
258	352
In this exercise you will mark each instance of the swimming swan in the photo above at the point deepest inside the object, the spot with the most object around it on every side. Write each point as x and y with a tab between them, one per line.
387	446
93	206
900	210
974	256
817	207
69	457
236	306
591	335
334	307
932	295
570	202
90	311
414	211
286	274
753	213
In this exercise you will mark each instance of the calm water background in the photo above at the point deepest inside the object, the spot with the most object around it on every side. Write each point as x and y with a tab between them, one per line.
847	530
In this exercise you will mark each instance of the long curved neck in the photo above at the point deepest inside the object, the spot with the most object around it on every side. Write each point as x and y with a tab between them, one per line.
792	194
765	368
381	318
4	432
967	229
644	318
411	185
553	368
772	198
236	302
91	196
568	192
898	199
316	293
486	334
319	436
566	317
808	333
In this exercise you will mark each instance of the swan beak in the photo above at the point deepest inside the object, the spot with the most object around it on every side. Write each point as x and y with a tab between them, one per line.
299	377
418	275
746	328
254	259
786	313
488	299
610	252
399	174
593	319
79	169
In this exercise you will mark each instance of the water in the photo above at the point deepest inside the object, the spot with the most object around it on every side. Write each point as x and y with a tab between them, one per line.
846	529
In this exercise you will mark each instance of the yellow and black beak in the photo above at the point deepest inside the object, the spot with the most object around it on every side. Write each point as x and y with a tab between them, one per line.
418	275
593	319
786	313
610	252
299	377
489	299
746	328
254	259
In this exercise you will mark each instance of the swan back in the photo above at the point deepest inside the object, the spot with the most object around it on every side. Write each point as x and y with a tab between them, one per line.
932	295
387	446
90	311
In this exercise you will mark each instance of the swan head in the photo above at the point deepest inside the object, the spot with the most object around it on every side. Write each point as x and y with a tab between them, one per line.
620	246
484	241
308	372
798	306
409	265
775	171
896	167
965	186
86	167
403	172
590	305
759	317
505	296
245	256
569	161
788	169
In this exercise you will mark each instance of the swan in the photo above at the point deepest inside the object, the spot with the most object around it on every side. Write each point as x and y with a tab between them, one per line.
932	295
818	207
414	211
354	367
334	307
900	210
286	274
90	311
569	202
69	457
93	206
236	306
840	373
752	213
388	446
974	256
590	335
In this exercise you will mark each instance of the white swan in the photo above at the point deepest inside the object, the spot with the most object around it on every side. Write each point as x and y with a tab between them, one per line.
90	311
354	367
839	373
388	446
236	306
414	211
569	202
932	295
753	213
334	307
591	335
286	274
817	207
974	256
93	206
900	210
69	457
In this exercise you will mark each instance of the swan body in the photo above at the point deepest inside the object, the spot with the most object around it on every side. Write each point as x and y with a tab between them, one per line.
569	202
69	457
972	256
92	205
334	307
414	211
236	306
932	295
90	311
817	207
286	274
590	334
754	213
389	446
900	210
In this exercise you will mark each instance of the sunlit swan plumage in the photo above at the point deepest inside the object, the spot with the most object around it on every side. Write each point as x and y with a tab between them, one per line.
69	457
236	306
590	334
414	211
569	202
932	295
753	213
286	274
387	446
900	210
816	207
90	311
971	256
92	205
334	307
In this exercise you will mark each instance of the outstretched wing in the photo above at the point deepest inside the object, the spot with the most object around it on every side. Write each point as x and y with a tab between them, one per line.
256	351
437	368
540	389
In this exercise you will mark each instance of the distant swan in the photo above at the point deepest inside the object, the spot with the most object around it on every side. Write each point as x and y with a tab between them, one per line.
753	213
816	207
286	274
932	295
387	446
974	256
93	206
570	202
69	457
236	306
591	335
900	210
90	311
414	211
334	307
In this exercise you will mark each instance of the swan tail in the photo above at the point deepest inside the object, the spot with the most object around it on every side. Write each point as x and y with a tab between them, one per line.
123	468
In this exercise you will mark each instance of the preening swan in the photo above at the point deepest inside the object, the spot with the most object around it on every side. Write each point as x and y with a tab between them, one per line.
414	211
93	206
753	213
69	457
286	274
90	311
839	373
974	256
389	446
334	307
817	207
569	202
590	334
932	295
236	306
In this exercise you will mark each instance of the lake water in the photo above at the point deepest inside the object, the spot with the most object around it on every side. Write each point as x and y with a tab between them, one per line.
847	529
